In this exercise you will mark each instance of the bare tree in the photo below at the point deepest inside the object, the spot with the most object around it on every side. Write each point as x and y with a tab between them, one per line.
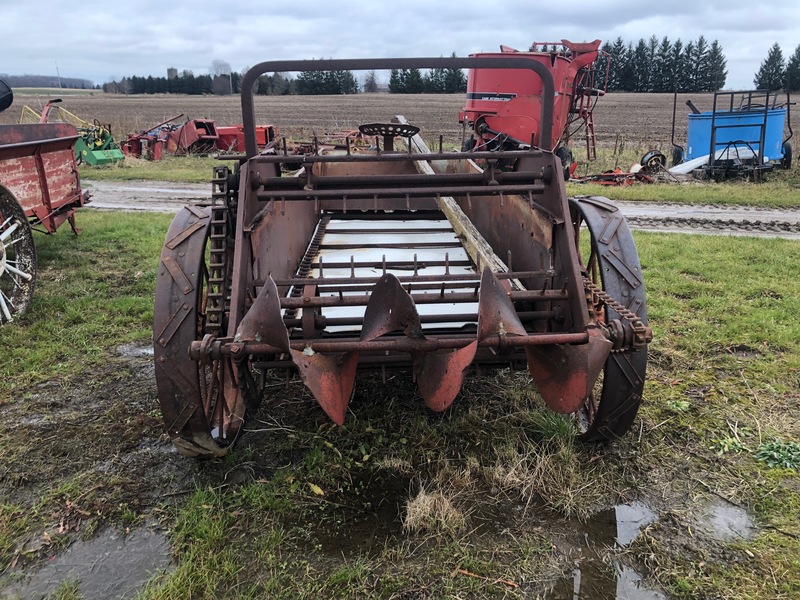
370	83
221	77
220	67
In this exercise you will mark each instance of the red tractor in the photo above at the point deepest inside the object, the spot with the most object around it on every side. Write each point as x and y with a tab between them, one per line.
503	105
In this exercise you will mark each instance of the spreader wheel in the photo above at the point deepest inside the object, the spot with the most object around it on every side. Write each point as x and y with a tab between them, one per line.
610	261
17	259
201	402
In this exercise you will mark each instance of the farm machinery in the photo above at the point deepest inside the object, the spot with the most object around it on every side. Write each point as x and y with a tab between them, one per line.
734	139
39	186
95	145
502	107
194	136
397	257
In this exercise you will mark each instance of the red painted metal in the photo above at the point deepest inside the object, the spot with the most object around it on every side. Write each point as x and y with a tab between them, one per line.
507	102
231	138
37	166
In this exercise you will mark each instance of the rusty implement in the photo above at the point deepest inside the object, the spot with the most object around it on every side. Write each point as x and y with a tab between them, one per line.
396	257
40	188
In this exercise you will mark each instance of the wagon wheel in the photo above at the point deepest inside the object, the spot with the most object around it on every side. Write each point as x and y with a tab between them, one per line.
609	259
201	401
17	259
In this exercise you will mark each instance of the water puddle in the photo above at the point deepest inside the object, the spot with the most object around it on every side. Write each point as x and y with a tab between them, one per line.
594	578
110	566
726	522
135	350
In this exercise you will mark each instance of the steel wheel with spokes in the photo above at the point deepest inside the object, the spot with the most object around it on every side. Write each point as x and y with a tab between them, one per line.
609	260
17	259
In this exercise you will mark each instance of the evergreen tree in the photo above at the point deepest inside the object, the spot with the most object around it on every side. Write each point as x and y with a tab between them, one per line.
617	57
455	81
603	64
675	66
661	75
717	73
792	76
434	81
344	82
640	67
770	74
699	67
310	82
414	84
686	74
397	81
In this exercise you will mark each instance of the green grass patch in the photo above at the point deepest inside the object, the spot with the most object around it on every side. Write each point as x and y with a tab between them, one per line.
93	292
184	169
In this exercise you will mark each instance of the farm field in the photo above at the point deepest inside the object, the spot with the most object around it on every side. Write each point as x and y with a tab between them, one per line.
641	120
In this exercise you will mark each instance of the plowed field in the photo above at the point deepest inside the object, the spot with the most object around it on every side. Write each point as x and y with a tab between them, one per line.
642	120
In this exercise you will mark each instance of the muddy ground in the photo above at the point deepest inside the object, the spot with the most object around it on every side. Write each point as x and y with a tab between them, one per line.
102	484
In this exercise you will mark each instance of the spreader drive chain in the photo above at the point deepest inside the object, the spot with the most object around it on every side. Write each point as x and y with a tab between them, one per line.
636	335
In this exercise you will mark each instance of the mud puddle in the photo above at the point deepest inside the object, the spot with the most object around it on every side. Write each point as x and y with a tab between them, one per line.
111	566
726	522
598	574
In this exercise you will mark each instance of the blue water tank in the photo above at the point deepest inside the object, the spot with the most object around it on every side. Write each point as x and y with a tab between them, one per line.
737	126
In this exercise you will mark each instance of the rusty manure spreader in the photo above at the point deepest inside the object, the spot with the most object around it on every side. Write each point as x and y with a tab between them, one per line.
396	257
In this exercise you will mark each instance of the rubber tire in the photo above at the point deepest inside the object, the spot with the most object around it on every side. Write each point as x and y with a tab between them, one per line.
677	155
564	153
786	161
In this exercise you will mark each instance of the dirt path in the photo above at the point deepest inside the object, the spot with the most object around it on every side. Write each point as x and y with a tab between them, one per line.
644	216
153	196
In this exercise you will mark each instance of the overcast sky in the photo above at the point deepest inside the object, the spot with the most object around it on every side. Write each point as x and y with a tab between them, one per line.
108	40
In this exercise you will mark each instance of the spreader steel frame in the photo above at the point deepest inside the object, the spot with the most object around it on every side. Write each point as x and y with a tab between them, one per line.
396	257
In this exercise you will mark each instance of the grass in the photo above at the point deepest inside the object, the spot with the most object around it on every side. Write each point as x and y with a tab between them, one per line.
400	502
94	291
779	189
185	169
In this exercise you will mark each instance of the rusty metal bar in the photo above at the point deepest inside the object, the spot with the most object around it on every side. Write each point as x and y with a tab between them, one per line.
454	298
372	193
368	64
403	181
399	344
321	321
390	157
464	277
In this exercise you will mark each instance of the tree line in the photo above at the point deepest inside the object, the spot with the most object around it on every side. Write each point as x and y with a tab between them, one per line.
651	65
775	73
50	81
655	65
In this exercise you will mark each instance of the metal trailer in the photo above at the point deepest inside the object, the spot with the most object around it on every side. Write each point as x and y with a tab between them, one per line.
39	187
396	257
735	139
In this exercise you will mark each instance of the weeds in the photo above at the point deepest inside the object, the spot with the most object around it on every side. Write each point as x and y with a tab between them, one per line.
779	454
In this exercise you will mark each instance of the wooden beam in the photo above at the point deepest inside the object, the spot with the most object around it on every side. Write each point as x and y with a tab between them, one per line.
474	243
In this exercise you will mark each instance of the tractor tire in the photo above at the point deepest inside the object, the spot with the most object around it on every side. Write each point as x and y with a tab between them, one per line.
786	161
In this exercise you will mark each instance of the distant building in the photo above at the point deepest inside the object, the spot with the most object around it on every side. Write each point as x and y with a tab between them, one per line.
172	73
